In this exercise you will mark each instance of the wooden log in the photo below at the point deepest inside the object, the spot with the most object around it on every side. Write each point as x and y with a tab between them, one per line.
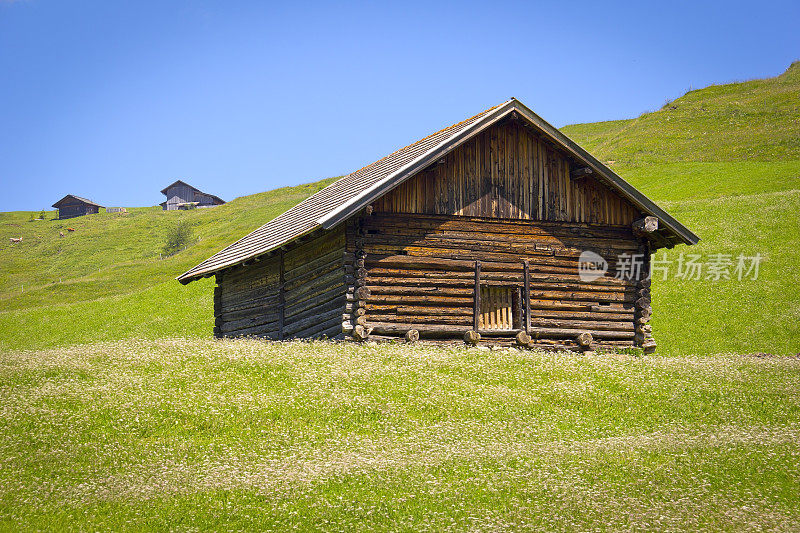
584	339
255	319
320	307
412	335
424	222
572	333
361	333
334	332
645	226
334	293
626	325
363	293
325	323
649	345
416	319
526	273
297	326
424	310
523	338
476	295
472	337
516	281
425	298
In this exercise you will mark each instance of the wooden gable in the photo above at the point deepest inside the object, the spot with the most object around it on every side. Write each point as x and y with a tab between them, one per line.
508	171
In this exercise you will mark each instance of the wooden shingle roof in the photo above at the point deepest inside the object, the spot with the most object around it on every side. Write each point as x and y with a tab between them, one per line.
346	196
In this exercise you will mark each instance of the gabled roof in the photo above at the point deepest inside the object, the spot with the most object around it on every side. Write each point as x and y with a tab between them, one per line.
346	196
82	200
181	182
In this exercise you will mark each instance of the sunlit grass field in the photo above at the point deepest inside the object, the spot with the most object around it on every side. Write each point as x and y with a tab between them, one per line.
232	435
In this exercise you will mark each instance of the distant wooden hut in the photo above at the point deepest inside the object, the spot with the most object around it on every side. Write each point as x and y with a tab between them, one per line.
181	195
74	206
498	229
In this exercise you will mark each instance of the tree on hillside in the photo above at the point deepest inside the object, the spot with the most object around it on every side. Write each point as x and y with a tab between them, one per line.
178	238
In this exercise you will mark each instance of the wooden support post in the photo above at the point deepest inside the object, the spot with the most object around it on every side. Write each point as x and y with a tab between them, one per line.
477	310
526	268
281	297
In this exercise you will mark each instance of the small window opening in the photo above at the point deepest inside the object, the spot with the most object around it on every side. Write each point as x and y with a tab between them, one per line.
500	308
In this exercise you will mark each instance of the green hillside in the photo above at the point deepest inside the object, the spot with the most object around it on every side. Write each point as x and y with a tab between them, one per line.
107	279
756	120
725	160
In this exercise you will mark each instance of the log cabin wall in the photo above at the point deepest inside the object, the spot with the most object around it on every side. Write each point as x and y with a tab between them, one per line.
297	292
508	171
420	273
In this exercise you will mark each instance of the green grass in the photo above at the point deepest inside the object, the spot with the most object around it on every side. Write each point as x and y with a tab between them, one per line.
755	120
198	434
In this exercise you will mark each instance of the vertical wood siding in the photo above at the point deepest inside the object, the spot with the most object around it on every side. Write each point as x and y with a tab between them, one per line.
508	172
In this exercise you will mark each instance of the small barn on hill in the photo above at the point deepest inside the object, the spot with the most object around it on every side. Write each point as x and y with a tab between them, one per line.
181	195
74	206
498	229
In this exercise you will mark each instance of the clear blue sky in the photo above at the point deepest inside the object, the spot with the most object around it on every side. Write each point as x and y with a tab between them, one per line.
114	100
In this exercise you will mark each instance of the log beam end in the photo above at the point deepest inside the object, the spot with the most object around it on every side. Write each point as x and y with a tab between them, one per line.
411	335
472	337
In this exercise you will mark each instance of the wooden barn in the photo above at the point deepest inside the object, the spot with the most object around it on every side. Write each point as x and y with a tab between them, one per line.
496	230
72	206
181	195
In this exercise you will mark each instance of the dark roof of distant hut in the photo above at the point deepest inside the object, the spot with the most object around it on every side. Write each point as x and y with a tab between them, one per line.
80	199
346	196
181	182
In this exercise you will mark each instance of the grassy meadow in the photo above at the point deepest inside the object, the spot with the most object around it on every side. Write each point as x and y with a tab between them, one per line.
249	435
119	412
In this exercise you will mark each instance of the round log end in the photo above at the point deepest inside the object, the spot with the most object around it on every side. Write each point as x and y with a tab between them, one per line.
360	333
649	346
412	335
362	293
584	339
523	339
472	337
